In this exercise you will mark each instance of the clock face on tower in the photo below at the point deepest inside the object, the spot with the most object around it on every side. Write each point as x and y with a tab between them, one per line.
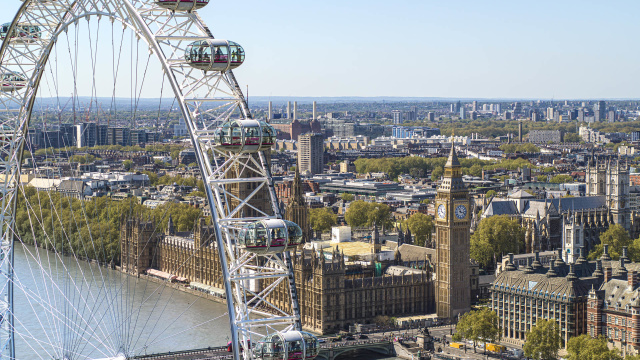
461	211
442	212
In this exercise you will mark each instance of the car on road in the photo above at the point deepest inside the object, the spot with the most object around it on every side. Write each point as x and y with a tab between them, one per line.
362	336
349	338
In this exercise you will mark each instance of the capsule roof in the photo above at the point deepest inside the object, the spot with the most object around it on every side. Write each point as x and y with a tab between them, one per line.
182	5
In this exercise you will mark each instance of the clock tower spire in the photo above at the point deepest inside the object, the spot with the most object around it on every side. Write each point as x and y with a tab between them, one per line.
453	228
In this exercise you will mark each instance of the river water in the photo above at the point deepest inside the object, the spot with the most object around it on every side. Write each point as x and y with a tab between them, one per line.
66	308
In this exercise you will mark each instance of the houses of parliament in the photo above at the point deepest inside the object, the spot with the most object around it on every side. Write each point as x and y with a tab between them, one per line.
333	292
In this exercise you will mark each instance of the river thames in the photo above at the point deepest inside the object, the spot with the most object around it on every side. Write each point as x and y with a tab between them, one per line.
74	309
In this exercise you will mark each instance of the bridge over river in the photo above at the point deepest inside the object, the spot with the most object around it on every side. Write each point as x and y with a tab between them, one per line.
328	351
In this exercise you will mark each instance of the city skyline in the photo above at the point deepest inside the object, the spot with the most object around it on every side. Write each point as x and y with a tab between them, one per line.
495	50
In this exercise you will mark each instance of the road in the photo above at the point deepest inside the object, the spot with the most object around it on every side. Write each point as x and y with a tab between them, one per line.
444	332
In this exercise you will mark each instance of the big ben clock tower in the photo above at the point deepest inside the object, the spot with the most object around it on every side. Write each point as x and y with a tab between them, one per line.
453	278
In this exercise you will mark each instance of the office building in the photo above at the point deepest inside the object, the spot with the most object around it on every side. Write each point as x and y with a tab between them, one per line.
180	129
311	153
545	136
599	111
86	135
523	295
397	117
119	136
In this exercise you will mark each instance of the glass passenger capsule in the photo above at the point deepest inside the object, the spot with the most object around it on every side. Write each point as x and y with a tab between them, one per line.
290	345
214	55
21	33
247	136
182	5
12	82
270	236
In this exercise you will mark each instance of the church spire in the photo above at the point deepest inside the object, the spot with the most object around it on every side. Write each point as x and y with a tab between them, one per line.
296	189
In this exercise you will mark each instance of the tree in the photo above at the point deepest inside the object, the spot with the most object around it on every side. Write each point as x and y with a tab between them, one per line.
481	325
560	179
416	173
475	170
437	173
543	340
487	325
153	177
496	235
127	164
572	138
362	213
490	193
420	226
347	197
382	320
322	219
465	330
616	237
584	347
526	148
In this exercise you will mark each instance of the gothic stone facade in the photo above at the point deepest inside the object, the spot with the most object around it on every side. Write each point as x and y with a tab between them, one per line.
332	295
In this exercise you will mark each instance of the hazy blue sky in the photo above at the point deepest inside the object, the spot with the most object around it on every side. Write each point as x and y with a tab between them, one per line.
484	49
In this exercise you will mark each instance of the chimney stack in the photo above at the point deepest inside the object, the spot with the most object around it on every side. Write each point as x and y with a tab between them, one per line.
315	114
270	112
295	110
288	109
605	252
633	279
608	273
625	255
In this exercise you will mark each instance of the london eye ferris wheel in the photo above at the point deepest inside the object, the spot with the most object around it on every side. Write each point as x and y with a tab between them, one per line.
42	57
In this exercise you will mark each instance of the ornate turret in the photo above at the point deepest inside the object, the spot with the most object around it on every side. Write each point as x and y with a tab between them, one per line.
171	230
297	210
375	239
